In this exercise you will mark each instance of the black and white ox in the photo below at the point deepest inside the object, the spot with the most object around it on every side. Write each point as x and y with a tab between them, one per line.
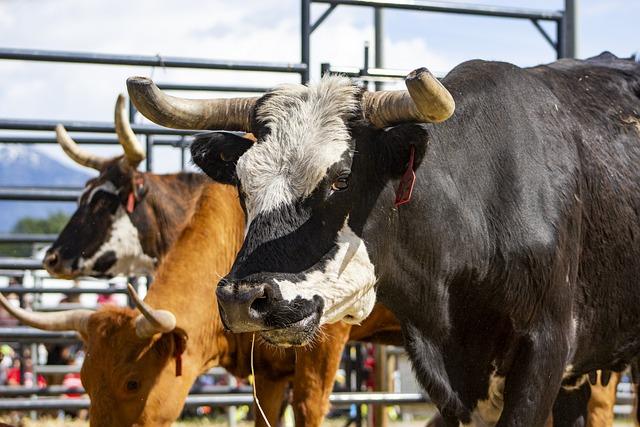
126	219
513	262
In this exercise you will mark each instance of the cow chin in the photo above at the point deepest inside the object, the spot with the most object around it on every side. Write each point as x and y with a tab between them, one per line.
297	334
345	282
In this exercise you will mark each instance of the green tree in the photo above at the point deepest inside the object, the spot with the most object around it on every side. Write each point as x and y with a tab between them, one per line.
52	224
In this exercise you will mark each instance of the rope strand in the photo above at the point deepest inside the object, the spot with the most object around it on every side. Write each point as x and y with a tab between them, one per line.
255	396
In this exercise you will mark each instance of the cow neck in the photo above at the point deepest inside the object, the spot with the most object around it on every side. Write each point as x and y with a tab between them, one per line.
166	207
185	281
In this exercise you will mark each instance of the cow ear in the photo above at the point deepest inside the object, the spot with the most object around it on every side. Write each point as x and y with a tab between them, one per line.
217	153
396	145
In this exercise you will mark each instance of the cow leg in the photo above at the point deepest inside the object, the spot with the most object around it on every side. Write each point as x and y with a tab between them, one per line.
602	401
270	393
316	367
570	407
534	378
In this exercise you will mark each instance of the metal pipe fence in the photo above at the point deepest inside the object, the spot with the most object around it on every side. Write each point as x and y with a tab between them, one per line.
148	61
227	399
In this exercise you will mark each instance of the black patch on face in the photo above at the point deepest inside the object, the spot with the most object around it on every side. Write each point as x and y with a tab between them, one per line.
105	262
217	153
88	228
287	241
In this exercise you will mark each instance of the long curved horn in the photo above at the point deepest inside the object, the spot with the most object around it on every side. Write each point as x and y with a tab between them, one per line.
132	149
76	153
183	113
426	101
151	321
69	320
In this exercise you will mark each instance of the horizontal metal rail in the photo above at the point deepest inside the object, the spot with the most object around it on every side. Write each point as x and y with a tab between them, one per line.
86	126
182	141
40	194
26	334
148	60
27	238
236	399
454	8
372	73
57	369
59	290
231	399
213	88
14	263
56	390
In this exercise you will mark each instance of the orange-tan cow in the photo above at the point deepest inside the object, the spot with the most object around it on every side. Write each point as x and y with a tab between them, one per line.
131	355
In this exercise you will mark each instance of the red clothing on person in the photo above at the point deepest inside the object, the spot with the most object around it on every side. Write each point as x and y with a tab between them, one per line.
13	378
106	299
72	381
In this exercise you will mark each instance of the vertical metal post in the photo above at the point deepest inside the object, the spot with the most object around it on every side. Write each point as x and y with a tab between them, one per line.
233	410
305	37
365	68
359	381
570	30
149	159
378	28
132	112
560	38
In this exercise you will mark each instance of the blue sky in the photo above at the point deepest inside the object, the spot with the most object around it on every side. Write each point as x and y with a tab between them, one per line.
263	30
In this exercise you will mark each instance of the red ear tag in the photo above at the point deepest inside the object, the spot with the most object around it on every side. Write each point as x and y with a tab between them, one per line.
179	365
177	353
405	188
131	202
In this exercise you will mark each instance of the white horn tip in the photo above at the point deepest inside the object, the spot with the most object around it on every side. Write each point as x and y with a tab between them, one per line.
138	81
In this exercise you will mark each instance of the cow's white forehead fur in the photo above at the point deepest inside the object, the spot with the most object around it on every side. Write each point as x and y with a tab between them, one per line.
346	283
307	134
106	186
124	240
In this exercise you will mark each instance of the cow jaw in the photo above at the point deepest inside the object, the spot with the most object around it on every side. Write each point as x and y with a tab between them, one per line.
345	285
124	243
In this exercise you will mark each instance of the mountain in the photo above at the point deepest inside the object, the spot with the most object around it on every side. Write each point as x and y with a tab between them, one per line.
22	165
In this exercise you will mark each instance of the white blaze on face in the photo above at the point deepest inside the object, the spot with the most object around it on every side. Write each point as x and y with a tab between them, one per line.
346	283
307	134
124	241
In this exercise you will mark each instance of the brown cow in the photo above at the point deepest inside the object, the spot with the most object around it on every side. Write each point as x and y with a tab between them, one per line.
129	371
126	219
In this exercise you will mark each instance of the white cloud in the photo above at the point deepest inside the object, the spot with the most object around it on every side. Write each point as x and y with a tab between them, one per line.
249	30
236	30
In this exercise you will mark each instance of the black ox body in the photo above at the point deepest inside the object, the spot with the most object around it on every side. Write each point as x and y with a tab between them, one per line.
518	255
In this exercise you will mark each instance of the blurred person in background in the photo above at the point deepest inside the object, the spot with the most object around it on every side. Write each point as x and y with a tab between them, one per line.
107	298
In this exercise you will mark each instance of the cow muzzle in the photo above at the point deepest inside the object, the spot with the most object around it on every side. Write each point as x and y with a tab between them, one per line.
57	266
250	307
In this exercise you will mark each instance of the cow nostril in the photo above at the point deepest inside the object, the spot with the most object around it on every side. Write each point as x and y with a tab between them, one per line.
51	259
260	304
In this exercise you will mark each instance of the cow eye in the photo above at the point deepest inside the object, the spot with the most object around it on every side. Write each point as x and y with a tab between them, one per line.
133	385
341	183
